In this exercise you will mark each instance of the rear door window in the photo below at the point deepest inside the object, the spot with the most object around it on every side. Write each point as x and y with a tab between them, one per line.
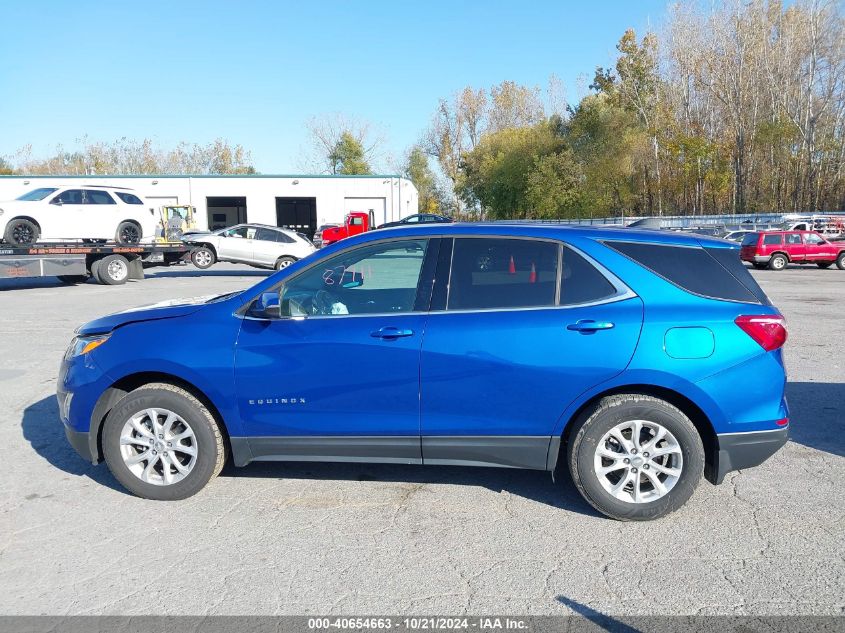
92	196
490	273
793	239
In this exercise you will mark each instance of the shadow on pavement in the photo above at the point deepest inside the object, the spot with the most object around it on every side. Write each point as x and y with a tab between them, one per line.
46	434
606	622
817	415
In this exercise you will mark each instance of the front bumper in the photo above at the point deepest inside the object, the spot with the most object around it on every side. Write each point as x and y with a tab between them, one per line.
737	451
80	443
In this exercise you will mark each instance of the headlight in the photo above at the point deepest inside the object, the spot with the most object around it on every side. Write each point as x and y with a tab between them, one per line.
83	344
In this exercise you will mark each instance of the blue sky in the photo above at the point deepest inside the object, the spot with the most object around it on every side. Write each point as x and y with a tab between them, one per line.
256	72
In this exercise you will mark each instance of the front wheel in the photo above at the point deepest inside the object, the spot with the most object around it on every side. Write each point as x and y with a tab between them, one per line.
840	261
635	457
162	443
21	232
203	257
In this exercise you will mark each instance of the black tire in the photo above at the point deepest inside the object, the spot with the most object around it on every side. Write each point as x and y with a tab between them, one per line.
840	261
778	261
203	257
128	233
73	279
284	262
210	447
21	232
592	426
111	270
824	264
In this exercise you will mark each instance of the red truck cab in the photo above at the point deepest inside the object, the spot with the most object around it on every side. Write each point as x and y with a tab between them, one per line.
776	249
356	222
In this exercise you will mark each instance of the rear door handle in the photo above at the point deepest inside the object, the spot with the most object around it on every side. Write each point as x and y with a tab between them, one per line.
588	326
391	333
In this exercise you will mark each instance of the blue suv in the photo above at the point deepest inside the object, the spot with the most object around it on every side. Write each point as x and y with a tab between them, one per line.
640	360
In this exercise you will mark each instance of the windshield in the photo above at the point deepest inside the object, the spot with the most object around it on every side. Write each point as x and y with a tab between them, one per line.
37	194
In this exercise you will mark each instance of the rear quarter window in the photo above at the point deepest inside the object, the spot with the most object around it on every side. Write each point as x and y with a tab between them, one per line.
772	239
708	272
128	198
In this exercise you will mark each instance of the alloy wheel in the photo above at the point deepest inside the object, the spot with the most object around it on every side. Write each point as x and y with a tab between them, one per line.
158	446
638	461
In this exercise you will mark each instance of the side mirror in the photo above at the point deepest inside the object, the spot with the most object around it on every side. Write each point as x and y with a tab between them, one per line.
57	201
266	306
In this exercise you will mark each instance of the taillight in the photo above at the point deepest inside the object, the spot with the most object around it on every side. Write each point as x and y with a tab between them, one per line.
768	331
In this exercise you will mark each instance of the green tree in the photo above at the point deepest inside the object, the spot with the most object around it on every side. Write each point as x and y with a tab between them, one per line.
418	171
348	156
5	168
496	173
553	186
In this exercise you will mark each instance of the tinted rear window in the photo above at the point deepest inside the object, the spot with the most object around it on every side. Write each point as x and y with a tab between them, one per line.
580	282
750	239
695	269
128	198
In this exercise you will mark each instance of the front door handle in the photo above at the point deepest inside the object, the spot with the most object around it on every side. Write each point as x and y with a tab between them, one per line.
588	326
391	332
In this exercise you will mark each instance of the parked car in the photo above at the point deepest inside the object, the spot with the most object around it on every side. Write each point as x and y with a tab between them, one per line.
419	218
318	234
736	236
259	245
640	360
355	223
77	213
776	249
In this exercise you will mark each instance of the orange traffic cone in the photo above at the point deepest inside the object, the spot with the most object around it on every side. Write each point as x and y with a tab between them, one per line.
512	267
532	277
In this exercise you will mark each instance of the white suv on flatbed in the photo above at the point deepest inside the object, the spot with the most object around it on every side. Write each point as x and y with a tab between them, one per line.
54	214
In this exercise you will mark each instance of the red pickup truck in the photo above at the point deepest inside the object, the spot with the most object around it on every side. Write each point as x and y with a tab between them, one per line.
776	249
356	222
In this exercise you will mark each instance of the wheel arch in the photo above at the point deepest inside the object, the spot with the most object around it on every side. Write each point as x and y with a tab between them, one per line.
689	408
115	393
25	217
784	253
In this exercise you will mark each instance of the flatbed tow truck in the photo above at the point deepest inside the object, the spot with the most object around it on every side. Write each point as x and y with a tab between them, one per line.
75	262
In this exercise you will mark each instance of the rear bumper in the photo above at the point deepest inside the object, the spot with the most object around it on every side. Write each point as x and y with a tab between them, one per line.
746	450
757	259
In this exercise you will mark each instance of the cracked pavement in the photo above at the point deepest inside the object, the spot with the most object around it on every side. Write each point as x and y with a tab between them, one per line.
301	538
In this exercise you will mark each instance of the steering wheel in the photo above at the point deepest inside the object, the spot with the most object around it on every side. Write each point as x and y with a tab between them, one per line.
323	302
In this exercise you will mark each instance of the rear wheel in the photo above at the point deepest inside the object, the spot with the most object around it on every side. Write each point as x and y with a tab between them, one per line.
778	262
840	261
111	270
203	257
128	233
635	457
162	443
21	232
284	262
